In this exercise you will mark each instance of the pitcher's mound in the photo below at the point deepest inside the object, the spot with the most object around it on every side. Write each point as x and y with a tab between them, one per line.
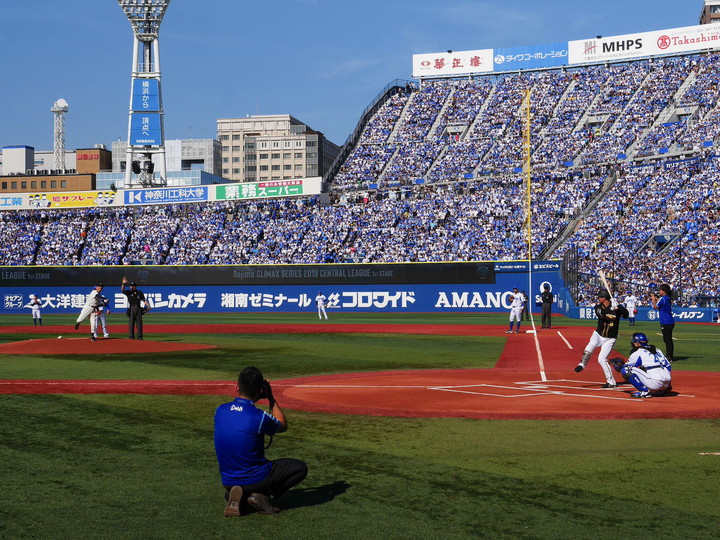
84	345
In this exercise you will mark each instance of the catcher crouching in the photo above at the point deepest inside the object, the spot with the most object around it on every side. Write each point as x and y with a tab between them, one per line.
647	368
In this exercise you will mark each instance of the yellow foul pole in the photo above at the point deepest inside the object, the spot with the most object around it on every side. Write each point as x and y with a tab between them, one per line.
526	170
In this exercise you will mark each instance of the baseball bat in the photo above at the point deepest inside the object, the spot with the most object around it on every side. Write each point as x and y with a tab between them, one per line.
605	284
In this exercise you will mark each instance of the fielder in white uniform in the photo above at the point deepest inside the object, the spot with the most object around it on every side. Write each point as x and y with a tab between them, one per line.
321	300
647	369
98	316
517	302
35	309
631	303
90	305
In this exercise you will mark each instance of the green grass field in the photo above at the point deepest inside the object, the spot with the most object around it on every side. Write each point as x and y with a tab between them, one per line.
92	466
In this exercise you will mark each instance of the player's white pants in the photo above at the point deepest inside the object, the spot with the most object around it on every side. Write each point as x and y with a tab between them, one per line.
656	380
516	314
94	318
36	314
86	311
606	345
321	312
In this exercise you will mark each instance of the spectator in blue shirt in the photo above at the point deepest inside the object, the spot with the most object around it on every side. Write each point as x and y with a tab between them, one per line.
248	476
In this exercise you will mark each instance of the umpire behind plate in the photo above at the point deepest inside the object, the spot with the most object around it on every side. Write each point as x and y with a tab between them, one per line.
646	369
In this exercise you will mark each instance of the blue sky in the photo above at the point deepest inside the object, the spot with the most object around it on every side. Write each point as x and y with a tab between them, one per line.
322	61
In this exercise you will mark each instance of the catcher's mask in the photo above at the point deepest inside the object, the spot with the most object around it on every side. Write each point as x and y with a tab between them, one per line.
639	337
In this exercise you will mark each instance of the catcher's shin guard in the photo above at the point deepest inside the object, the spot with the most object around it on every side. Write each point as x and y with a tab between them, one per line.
635	381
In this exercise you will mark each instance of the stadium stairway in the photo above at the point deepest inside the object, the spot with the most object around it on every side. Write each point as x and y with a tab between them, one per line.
569	229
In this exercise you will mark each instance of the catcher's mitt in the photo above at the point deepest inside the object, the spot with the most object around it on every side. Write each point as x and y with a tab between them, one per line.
617	363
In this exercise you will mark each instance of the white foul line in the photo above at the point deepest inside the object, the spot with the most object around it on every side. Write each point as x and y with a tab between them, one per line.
541	364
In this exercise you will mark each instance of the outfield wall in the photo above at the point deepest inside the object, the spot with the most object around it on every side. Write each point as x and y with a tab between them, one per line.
472	287
483	287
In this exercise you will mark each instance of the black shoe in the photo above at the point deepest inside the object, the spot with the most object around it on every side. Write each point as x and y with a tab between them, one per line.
262	504
77	325
140	338
93	338
579	368
233	505
608	385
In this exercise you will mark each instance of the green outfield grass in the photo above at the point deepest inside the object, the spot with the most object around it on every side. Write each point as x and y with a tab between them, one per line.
92	466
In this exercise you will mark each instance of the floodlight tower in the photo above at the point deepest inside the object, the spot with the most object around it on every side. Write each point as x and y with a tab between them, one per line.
145	123
59	108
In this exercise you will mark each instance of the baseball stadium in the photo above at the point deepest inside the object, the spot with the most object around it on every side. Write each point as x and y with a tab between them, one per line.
462	315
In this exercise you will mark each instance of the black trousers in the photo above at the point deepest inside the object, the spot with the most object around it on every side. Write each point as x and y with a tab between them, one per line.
667	330
285	474
546	315
135	320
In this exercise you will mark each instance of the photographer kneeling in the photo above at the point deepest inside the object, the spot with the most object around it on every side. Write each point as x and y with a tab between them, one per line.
240	429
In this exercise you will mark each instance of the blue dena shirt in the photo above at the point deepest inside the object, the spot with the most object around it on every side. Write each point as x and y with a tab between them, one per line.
664	308
239	442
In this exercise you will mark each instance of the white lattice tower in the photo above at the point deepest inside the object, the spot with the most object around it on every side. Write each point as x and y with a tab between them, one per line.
145	17
59	108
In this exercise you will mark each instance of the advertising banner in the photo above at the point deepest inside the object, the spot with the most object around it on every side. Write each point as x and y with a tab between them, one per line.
651	315
258	190
66	199
459	287
281	298
541	56
252	274
452	63
12	201
166	195
629	46
145	129
145	95
188	194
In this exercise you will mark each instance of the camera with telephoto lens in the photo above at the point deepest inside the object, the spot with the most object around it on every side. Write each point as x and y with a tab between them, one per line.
265	390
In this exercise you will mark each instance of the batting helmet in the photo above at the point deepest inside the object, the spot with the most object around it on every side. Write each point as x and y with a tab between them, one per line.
639	337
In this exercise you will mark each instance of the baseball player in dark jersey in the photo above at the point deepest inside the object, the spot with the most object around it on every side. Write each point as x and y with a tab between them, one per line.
608	314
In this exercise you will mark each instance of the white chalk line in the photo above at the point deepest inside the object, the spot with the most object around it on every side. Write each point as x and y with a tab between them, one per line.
541	363
529	388
565	340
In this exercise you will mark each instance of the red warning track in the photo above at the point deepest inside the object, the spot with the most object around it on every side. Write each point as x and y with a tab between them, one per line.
517	388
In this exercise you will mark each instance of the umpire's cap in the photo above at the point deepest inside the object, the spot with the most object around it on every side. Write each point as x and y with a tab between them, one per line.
133	284
602	293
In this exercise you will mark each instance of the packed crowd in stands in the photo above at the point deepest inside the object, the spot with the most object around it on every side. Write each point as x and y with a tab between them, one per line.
437	176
